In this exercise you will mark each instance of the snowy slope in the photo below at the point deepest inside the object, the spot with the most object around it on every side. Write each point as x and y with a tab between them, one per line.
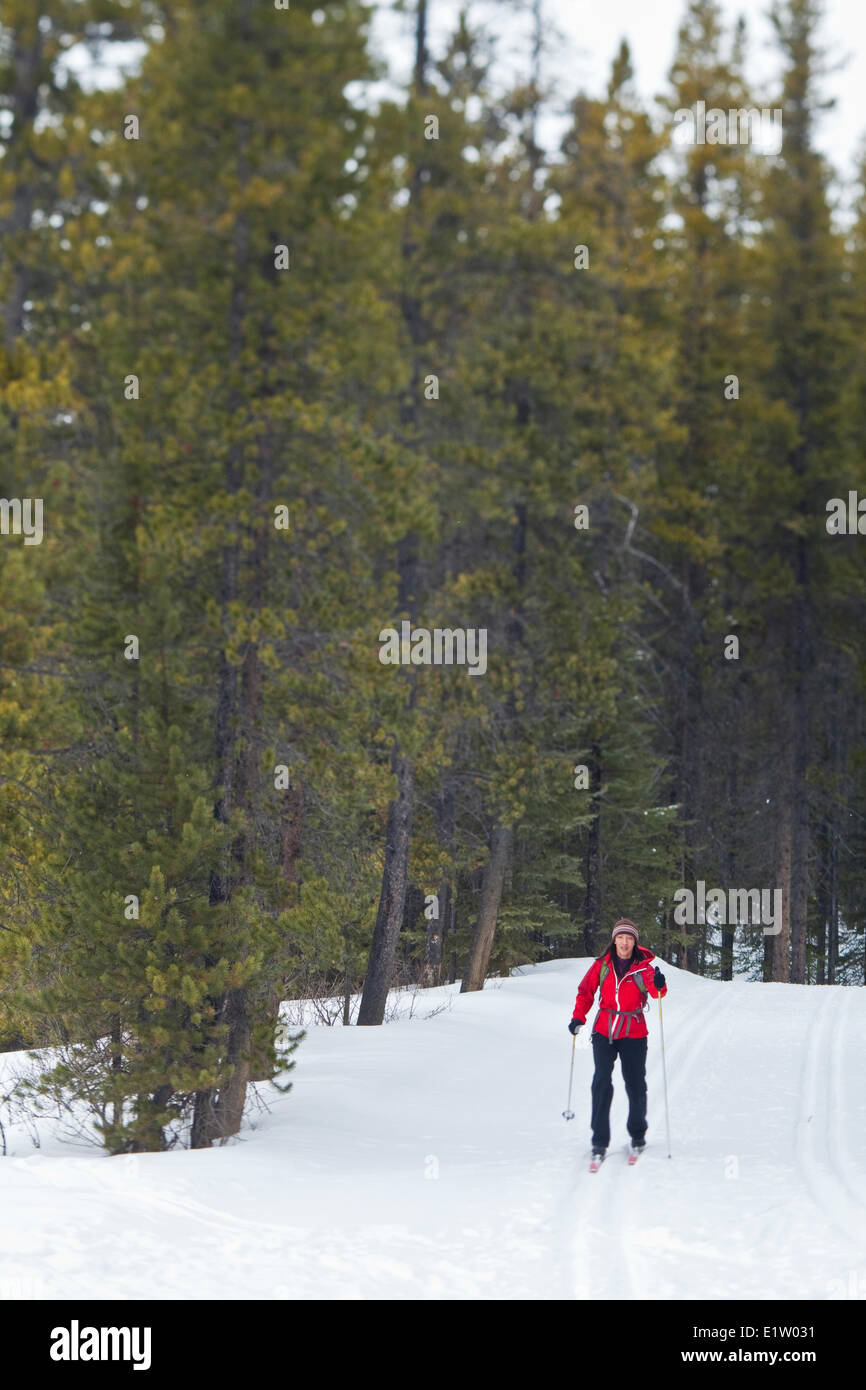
429	1159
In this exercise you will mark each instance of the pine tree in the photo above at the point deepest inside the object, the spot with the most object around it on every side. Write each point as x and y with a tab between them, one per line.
254	407
800	444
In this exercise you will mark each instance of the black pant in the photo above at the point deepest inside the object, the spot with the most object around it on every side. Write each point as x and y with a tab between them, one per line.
632	1058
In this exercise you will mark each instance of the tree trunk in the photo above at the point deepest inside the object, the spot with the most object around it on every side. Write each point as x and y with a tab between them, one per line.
682	940
833	924
204	1123
449	926
488	911
727	963
420	70
432	968
24	80
823	897
229	1107
691	754
217	1112
727	959
436	926
592	923
782	942
347	999
263	1060
800	836
151	1137
392	899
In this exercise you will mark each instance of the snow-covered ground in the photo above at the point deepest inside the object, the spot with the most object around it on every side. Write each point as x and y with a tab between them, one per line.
429	1159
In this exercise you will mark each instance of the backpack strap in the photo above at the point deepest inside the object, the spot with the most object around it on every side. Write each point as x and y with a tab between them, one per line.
638	979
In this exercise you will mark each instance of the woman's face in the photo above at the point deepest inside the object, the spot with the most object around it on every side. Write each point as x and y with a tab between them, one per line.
623	943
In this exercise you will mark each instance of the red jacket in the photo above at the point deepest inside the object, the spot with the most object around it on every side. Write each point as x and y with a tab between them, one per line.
618	997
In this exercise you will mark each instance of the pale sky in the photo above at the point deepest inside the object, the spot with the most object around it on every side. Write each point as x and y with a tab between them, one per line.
593	30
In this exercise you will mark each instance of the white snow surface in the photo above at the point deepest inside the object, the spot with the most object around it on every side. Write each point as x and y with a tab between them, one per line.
429	1159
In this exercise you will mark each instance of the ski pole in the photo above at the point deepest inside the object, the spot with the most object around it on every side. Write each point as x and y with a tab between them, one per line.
665	1075
568	1112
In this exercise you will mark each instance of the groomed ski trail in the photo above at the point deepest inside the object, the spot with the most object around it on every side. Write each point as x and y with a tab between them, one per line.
606	1222
821	1142
428	1159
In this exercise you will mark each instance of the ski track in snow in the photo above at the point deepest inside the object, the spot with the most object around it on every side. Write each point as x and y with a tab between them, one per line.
701	1037
609	1258
821	1145
853	1177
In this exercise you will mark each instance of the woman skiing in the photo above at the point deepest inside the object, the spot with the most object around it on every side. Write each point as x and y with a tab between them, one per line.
624	977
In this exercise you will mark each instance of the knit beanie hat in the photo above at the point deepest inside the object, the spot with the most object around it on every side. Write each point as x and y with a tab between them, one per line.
624	925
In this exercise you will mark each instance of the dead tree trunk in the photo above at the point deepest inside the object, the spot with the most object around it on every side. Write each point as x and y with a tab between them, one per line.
488	911
392	900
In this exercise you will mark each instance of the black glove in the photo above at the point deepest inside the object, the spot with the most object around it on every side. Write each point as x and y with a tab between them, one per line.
575	1026
658	978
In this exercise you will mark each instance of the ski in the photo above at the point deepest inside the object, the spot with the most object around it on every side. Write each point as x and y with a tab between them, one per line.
633	1156
595	1162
